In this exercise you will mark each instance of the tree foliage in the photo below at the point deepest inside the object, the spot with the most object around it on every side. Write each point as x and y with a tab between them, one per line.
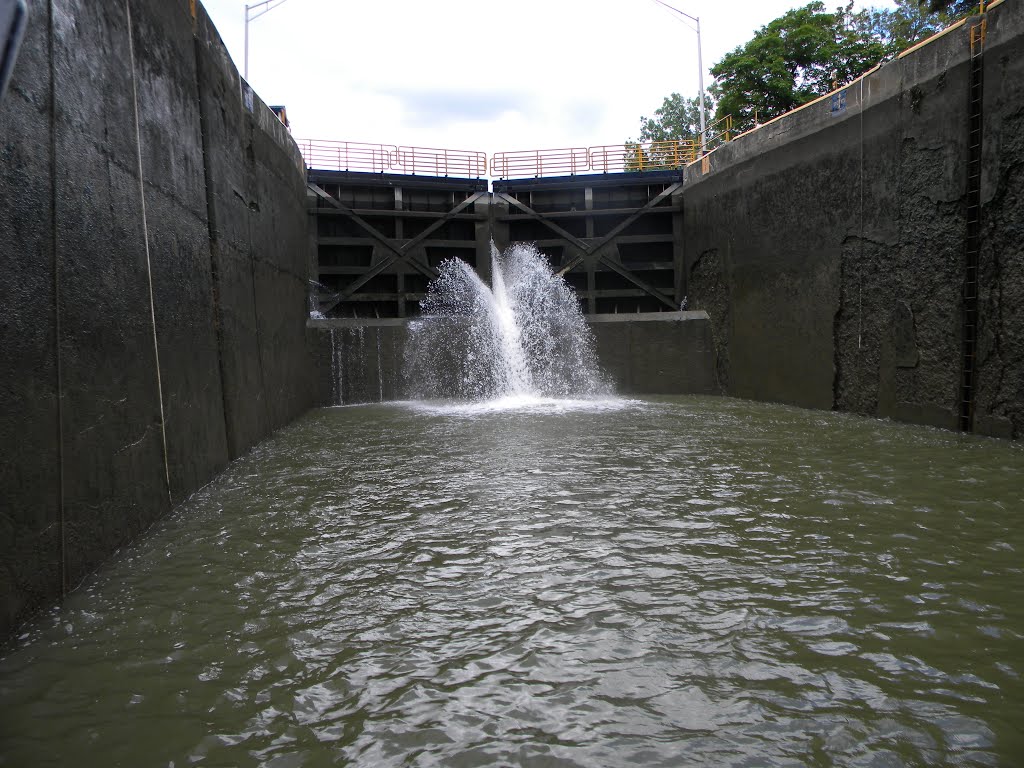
956	8
908	23
805	53
797	57
677	118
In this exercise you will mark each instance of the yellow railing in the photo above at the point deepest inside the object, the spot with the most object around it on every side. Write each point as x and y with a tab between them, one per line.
719	132
649	156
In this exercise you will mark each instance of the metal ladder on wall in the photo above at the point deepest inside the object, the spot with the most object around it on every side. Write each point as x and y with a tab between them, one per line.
973	241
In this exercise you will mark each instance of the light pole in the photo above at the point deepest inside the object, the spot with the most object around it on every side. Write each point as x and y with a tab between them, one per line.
700	76
253	12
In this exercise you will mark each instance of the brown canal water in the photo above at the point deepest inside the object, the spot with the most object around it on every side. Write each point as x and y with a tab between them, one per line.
668	582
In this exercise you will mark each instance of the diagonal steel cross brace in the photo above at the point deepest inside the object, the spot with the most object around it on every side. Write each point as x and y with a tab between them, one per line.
403	252
596	247
581	244
622	225
363	223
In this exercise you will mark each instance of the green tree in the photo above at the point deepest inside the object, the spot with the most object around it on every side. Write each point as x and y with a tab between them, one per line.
958	9
677	118
908	23
801	55
798	57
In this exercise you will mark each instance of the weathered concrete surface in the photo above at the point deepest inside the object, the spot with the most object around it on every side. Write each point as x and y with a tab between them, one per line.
29	427
257	214
828	245
359	361
84	236
669	353
114	482
1000	393
657	353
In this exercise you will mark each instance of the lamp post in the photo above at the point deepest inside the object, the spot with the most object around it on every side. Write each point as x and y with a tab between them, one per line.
253	12
700	75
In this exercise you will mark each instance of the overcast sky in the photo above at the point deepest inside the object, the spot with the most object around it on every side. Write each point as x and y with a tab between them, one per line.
482	75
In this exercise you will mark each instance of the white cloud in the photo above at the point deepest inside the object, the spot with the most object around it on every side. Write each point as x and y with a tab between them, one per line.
465	74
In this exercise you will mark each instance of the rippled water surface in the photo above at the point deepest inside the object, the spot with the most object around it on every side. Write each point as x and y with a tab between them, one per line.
672	582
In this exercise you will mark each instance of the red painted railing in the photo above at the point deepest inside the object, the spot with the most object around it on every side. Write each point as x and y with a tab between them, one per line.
347	155
440	162
533	163
383	158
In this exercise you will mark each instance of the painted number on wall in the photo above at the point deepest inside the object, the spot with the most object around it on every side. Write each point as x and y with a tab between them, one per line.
838	103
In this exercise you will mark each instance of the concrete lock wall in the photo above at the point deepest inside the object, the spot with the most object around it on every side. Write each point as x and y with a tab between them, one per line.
659	353
828	246
151	208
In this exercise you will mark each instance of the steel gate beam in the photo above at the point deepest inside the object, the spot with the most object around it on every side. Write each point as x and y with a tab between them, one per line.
366	226
581	244
595	247
399	252
625	223
638	282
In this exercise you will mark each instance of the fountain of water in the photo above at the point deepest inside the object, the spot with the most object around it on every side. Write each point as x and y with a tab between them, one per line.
522	338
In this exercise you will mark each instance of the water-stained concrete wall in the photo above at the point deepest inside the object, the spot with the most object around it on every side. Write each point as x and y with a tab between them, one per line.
657	353
828	246
660	353
152	305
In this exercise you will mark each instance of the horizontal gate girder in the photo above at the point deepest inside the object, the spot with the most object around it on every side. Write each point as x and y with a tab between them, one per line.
402	214
400	242
622	240
588	212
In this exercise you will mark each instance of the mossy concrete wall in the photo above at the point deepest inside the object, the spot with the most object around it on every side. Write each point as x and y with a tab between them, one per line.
152	303
828	246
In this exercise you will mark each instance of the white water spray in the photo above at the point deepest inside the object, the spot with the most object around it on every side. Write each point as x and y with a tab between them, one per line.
524	337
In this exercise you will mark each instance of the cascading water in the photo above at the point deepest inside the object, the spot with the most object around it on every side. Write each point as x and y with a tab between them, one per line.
524	337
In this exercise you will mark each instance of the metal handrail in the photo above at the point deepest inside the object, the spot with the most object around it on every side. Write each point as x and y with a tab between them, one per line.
643	156
719	132
381	158
540	162
532	163
440	162
347	155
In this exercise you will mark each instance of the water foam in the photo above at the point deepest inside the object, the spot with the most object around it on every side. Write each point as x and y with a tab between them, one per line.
521	342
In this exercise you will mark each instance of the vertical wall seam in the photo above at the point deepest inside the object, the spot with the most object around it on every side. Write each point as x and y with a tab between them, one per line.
214	246
62	567
259	336
256	320
145	234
